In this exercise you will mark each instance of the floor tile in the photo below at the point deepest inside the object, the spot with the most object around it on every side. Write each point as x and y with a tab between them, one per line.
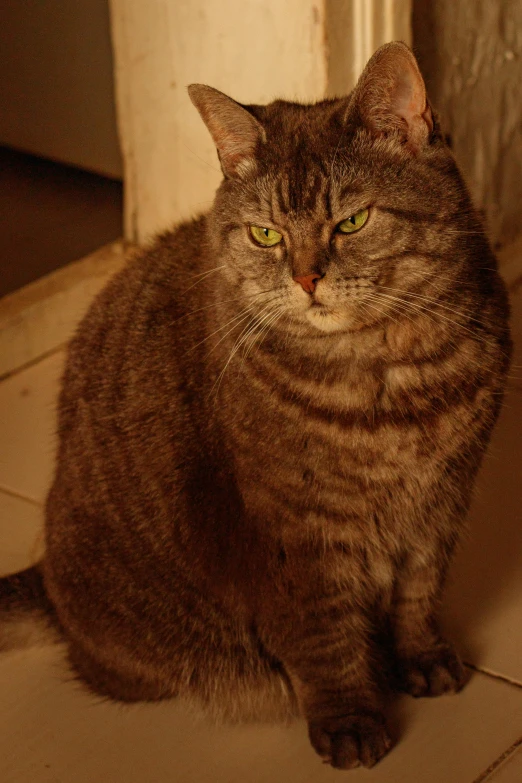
510	771
483	604
51	730
27	427
21	539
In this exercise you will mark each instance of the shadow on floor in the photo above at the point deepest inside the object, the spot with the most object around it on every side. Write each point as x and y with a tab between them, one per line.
51	214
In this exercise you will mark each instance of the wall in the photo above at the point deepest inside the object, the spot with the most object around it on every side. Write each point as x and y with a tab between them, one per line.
56	82
470	52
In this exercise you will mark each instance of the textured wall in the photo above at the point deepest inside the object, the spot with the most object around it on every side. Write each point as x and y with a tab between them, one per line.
470	52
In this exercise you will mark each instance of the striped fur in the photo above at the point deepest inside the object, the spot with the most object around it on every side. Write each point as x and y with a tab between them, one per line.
258	491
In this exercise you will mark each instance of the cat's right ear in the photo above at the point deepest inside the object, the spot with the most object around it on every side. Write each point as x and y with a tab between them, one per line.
235	131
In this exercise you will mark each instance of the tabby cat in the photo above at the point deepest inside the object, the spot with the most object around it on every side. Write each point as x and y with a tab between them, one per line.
270	425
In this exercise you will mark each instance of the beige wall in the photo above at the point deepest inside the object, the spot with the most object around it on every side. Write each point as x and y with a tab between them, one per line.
471	54
56	82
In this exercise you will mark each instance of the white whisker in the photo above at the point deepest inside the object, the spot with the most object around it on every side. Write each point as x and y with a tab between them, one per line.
431	300
202	276
242	339
243	315
385	314
414	307
261	334
221	302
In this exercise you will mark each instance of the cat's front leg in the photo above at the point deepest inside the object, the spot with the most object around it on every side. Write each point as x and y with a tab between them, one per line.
327	655
425	663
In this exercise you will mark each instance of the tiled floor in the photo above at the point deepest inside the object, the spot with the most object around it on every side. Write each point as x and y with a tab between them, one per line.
51	731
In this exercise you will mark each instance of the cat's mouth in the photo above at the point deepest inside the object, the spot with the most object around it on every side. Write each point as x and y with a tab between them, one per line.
323	317
328	318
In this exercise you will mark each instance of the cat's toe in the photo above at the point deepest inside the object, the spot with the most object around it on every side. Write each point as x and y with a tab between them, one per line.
350	741
432	673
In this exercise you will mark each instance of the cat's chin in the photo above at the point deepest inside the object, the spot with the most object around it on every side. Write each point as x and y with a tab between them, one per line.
326	321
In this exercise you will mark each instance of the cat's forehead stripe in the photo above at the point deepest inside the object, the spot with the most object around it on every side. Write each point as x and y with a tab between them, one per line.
302	193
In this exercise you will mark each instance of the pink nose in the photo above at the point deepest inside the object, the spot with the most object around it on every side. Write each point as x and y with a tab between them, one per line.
307	282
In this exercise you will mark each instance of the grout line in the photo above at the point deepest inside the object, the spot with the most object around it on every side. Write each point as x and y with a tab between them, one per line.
18	495
32	362
493	675
485	776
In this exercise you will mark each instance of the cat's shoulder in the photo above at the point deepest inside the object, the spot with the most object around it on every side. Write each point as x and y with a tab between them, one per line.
152	269
185	243
145	291
180	249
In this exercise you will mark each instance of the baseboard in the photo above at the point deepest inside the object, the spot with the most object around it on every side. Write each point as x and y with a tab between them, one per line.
42	316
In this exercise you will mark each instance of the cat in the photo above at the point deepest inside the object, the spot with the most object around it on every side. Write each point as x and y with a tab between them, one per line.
270	424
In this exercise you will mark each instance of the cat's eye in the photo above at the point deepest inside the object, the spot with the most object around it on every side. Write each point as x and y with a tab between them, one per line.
354	222
265	236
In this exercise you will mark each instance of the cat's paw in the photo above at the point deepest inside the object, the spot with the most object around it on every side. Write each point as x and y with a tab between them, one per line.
349	741
432	672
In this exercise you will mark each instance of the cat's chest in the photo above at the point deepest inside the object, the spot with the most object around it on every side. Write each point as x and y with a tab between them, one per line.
388	403
370	431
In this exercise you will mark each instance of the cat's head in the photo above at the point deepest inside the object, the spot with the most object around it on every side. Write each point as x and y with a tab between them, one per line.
326	209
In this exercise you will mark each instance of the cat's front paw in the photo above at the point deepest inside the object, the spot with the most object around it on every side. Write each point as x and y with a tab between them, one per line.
350	741
431	672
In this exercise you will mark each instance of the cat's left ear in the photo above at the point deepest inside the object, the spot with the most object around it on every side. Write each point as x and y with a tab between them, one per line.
390	96
235	131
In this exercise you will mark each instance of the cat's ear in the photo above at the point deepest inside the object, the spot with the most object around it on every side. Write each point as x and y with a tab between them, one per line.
390	96
235	131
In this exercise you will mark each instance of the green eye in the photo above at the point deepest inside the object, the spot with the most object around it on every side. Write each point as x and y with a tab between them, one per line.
354	222
265	236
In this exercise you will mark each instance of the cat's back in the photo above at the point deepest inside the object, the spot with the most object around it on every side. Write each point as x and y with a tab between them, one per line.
134	457
129	382
136	332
